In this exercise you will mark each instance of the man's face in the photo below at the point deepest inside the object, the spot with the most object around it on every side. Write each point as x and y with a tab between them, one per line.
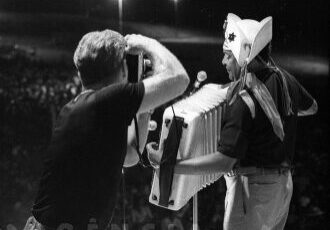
232	67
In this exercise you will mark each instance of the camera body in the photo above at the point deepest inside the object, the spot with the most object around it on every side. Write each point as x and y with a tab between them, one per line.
137	67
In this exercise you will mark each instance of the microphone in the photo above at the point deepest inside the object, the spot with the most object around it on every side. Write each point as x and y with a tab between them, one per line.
201	76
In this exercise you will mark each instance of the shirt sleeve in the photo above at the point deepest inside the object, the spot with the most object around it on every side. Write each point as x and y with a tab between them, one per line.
237	123
133	95
124	99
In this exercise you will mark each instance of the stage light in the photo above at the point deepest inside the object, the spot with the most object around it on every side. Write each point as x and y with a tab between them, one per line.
120	15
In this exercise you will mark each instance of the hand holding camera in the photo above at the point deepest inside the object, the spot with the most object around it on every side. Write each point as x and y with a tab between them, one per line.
139	65
160	57
137	44
166	76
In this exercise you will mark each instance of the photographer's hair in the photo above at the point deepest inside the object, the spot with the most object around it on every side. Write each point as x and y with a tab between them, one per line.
99	55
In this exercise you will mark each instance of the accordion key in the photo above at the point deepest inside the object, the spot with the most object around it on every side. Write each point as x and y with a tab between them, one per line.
190	128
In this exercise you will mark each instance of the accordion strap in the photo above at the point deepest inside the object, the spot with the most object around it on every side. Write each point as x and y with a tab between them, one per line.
138	152
168	160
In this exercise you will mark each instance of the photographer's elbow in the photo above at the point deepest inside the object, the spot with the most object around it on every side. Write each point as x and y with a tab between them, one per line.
315	107
187	79
184	81
131	157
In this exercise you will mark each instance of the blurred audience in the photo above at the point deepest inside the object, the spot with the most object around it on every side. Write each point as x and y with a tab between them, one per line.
141	213
171	222
27	104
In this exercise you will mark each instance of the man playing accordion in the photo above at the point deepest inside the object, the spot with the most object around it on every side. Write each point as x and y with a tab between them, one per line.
258	130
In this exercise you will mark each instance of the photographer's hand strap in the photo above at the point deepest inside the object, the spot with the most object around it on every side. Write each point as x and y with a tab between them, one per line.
141	161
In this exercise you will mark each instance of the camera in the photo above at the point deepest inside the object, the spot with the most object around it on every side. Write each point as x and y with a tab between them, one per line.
138	67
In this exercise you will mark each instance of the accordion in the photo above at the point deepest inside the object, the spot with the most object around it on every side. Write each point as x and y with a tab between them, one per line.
190	128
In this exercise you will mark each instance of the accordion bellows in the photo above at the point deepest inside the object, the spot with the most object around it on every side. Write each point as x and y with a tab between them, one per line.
199	128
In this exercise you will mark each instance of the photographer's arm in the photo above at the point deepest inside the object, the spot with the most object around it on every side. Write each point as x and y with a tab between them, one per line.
168	80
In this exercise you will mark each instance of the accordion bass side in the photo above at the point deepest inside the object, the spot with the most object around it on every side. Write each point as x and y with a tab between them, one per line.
190	128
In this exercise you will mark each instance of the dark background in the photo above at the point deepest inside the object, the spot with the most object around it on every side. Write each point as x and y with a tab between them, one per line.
37	77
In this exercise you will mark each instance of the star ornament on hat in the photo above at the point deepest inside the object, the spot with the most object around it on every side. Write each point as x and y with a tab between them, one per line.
246	38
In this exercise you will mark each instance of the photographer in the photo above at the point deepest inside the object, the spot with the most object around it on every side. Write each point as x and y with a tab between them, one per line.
83	164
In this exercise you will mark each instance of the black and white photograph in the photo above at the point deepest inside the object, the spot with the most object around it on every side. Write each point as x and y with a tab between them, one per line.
164	115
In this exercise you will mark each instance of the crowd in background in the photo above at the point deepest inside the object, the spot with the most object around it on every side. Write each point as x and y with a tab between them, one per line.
31	94
140	214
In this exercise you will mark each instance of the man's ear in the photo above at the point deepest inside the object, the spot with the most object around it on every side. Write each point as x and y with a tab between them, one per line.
124	70
81	82
120	75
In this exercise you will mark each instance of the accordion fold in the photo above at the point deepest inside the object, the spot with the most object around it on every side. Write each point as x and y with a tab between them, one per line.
190	128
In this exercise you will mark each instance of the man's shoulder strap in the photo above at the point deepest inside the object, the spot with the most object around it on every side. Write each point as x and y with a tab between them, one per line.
248	101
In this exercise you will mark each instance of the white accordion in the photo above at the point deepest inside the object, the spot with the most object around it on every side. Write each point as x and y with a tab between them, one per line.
190	128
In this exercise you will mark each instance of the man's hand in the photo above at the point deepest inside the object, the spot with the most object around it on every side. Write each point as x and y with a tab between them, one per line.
168	78
32	224
137	44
